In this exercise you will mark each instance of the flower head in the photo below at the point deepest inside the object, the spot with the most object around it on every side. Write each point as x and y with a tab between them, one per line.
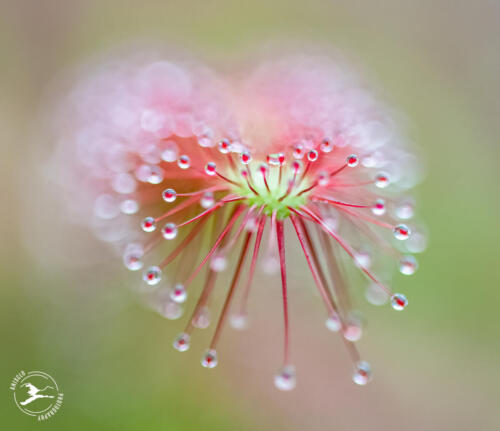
218	169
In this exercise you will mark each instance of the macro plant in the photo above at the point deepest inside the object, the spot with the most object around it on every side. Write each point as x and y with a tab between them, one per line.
189	175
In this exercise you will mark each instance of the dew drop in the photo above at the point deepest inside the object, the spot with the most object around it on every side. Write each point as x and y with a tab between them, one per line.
246	157
239	321
363	259
209	359
224	146
124	183
382	180
399	301
218	263
326	145
155	175
285	380
210	169
323	178
129	206
170	152
207	200
181	343
404	211
277	159
132	257
169	231
169	195
152	275
171	310
202	318
178	294
362	373
375	295
353	330
205	142
408	265
401	232
352	160
378	207
298	151
184	162
312	155
333	322
148	224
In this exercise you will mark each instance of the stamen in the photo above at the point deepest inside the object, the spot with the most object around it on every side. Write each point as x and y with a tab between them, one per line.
281	249
335	202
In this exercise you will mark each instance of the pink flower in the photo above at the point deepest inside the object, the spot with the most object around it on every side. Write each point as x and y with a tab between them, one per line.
220	169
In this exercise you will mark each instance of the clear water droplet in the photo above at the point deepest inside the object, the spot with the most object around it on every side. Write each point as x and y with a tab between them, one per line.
323	178
152	275
352	160
408	265
210	169
382	180
224	146
399	301
129	206
148	224
353	330
246	157
169	231
132	257
363	259
326	145
205	142
378	207
218	263
170	152
286	379
402	232
239	321
375	295
181	342
169	195
404	211
207	200
362	373
312	155
333	322
184	162
171	310
209	359
277	159
178	294
202	318
155	175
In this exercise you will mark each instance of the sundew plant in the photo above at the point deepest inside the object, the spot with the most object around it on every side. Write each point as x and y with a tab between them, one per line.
189	174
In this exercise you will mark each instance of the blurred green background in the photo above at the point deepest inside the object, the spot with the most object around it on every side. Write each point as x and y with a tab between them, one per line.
436	364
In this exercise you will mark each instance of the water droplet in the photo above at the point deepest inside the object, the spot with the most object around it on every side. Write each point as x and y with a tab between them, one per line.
382	180
205	142
363	259
404	211
210	168
202	318
378	207
298	151
106	207
399	301
362	373
129	206
246	157
178	294
181	343
171	310
169	195
375	295
148	224
417	243
170	152
353	330
218	263
209	359
333	322
224	146
124	183
285	380
152	275
401	232
326	145
184	162
239	321
352	160
277	159
155	175
408	265
312	155
132	257
207	200
169	231
323	178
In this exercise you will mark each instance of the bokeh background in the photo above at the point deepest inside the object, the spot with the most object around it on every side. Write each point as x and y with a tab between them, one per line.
436	365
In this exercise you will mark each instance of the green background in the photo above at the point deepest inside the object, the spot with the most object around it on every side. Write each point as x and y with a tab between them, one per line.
436	364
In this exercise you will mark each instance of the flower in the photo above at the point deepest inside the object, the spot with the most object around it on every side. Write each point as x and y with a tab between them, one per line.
221	168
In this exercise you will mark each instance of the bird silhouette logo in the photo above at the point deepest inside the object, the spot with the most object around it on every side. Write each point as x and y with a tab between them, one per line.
36	394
